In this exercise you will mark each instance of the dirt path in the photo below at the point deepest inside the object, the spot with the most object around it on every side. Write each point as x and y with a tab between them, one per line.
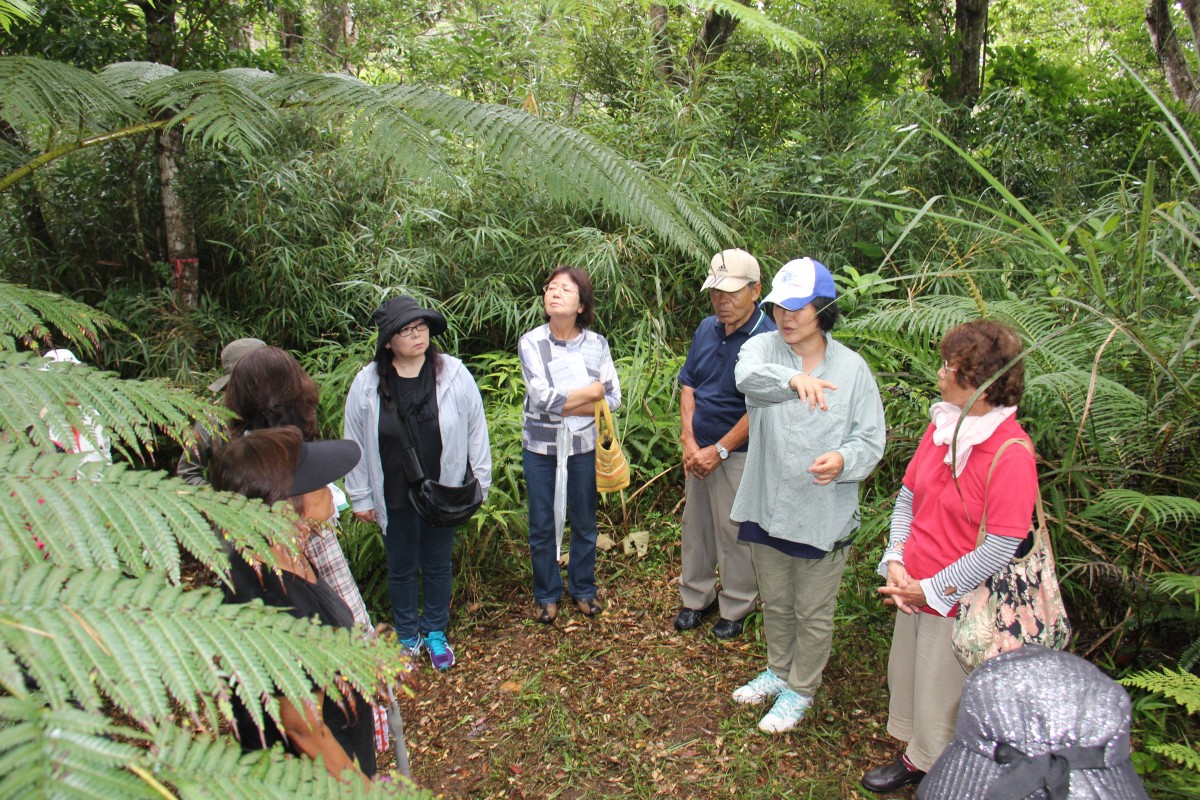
625	706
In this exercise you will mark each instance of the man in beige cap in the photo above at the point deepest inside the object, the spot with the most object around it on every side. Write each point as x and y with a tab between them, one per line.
193	464
714	432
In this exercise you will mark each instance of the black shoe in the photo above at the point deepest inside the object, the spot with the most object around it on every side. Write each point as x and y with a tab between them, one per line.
728	628
689	618
891	777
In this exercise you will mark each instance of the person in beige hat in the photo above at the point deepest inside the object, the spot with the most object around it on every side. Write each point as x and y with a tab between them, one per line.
193	463
714	431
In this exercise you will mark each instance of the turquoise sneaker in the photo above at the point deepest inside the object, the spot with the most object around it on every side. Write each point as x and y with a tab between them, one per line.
787	712
440	654
763	687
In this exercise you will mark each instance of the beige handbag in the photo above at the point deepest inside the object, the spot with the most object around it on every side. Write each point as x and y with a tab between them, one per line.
612	470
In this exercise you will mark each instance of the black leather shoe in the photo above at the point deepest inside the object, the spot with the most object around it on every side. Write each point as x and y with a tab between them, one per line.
891	777
728	628
689	618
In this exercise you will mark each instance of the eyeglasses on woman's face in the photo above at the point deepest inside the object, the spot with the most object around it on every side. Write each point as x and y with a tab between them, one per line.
409	331
560	287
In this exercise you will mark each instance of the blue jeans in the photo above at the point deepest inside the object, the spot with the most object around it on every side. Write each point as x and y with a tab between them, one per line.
413	545
581	511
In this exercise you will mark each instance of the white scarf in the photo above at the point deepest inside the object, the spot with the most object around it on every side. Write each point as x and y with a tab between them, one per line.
973	431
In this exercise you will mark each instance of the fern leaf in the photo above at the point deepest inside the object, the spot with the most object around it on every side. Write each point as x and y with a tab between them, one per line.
116	518
1159	510
57	98
1182	687
37	396
756	23
34	317
88	636
66	752
1180	754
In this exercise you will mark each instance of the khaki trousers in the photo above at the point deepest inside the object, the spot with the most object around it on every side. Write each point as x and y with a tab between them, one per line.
710	544
925	681
798	596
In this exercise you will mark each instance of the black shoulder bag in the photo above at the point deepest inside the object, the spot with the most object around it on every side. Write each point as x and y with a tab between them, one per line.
440	505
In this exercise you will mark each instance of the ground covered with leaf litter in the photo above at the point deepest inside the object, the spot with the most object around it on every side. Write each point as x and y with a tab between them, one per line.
625	706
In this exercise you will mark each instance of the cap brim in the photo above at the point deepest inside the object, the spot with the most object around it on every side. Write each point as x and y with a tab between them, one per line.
323	462
790	302
218	384
725	284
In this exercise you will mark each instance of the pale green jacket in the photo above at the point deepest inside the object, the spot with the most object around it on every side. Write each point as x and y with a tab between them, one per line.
777	490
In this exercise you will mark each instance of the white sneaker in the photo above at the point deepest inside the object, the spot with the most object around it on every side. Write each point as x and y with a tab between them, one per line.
787	712
763	687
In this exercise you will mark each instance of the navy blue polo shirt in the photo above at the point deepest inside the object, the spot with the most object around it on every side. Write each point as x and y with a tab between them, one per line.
709	371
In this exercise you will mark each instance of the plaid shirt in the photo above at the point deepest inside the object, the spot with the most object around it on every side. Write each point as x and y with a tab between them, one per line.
326	554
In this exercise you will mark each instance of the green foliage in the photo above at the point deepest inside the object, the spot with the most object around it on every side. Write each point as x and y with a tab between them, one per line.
94	618
16	10
1182	687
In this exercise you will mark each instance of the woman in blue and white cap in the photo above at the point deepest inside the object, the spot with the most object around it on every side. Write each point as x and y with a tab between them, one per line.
816	431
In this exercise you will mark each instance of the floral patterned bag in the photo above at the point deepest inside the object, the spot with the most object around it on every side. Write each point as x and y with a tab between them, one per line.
1020	604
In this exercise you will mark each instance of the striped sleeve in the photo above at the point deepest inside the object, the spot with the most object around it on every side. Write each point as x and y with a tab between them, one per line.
902	519
947	587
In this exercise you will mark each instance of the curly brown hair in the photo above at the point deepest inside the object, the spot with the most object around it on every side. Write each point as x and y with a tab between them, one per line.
267	389
980	349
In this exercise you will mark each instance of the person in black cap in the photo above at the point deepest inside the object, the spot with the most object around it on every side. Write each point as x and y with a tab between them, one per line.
413	393
273	465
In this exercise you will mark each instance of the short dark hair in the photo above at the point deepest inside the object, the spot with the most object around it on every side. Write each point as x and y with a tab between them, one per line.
268	388
978	350
828	312
260	465
587	296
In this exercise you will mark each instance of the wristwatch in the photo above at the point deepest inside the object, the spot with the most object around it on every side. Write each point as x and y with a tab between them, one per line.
721	451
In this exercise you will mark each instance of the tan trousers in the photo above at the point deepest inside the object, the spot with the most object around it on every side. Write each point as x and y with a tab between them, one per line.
710	544
925	681
798	596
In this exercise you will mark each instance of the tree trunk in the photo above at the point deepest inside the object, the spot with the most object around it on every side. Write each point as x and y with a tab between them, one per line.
337	28
665	64
181	239
1171	57
177	226
710	43
970	38
290	32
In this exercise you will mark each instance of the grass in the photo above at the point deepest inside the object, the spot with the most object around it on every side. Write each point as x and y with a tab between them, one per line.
625	706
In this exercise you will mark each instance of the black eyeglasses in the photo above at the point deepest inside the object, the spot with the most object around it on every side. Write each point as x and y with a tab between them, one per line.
412	330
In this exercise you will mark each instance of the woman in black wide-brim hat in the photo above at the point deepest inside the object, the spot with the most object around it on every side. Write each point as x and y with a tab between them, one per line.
411	383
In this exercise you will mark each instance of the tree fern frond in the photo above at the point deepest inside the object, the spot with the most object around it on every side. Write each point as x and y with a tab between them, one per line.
66	752
37	396
34	317
87	636
1182	687
1159	510
215	769
109	516
917	324
1174	584
13	10
756	23
43	751
565	163
218	107
35	93
374	118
